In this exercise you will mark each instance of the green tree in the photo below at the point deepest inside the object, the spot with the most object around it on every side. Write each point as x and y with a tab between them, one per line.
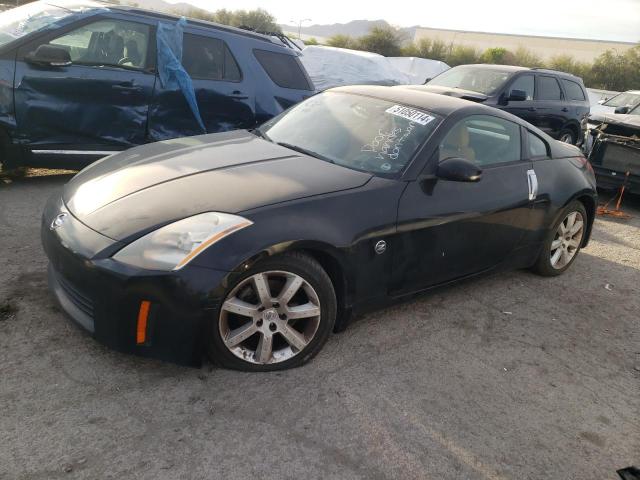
386	41
343	41
311	41
617	71
566	63
259	20
526	58
426	48
462	55
498	55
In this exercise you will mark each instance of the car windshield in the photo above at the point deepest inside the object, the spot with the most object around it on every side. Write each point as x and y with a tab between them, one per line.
358	132
477	79
624	99
20	21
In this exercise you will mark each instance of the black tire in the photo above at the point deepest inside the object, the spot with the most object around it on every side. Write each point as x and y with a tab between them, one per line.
312	272
543	264
568	136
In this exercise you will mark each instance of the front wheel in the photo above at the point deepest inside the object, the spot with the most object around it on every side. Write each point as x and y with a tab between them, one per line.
563	241
278	315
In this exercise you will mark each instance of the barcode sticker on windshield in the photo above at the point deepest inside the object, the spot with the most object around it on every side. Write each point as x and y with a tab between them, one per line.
410	114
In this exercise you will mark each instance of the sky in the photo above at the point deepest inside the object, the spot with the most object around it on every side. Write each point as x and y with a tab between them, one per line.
596	19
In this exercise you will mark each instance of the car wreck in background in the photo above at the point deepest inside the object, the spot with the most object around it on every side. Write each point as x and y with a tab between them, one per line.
615	150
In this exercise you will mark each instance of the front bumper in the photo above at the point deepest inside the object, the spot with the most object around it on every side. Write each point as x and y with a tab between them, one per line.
104	297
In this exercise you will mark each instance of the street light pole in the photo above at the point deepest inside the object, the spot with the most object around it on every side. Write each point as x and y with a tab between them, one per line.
300	25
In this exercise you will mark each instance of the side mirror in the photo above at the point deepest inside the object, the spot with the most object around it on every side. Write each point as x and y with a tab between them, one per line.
458	170
517	96
621	110
49	56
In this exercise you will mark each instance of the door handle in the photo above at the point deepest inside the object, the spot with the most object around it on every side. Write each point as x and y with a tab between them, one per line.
532	181
126	87
565	109
531	109
239	95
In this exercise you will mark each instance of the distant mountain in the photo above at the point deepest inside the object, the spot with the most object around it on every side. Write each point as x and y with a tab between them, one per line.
162	6
355	28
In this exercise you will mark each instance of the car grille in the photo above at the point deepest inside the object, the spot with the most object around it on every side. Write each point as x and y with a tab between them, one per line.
621	159
84	303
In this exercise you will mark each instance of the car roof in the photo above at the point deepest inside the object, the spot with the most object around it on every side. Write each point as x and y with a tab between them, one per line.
493	66
193	21
516	68
433	102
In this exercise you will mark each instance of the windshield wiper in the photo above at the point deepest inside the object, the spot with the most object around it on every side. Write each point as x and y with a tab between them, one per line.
305	151
259	133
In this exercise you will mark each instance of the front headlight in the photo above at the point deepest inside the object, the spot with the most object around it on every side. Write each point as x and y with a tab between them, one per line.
173	246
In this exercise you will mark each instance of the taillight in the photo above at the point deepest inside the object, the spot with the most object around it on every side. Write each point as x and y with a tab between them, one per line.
586	163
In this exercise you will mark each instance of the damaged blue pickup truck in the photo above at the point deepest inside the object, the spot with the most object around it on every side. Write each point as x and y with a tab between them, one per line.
79	81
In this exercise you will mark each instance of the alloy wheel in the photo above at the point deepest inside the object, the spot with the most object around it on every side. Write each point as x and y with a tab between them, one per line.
567	240
567	138
269	317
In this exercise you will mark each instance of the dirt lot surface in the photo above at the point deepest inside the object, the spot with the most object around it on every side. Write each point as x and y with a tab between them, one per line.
506	377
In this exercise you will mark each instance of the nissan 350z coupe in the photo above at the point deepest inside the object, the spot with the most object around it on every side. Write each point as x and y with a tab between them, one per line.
253	246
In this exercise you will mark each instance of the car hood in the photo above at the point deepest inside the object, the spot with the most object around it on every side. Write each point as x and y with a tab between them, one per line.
456	92
137	190
616	119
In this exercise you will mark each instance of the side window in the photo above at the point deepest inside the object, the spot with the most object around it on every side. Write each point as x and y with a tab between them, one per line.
284	69
548	89
483	139
526	83
573	89
537	147
108	42
209	59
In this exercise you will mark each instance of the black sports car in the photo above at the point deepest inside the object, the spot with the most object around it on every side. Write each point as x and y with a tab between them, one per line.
255	245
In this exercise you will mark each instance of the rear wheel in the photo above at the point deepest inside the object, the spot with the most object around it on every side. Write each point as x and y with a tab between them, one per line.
568	136
563	242
278	315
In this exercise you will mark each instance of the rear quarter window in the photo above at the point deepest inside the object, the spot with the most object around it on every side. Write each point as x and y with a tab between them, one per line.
573	89
285	70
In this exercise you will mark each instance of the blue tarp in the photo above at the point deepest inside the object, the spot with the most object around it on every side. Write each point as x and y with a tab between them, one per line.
170	70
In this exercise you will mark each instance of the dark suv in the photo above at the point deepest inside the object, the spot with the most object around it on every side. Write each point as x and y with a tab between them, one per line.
555	102
80	80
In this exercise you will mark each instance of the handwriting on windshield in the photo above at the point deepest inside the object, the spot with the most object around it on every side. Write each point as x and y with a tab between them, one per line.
388	145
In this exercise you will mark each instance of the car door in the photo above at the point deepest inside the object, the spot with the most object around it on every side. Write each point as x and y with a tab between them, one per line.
550	105
448	229
525	109
224	92
100	100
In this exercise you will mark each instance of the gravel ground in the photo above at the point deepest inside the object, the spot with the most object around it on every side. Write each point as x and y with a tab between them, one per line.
506	377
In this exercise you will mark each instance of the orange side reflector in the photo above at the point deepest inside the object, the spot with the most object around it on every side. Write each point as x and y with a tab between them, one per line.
143	315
